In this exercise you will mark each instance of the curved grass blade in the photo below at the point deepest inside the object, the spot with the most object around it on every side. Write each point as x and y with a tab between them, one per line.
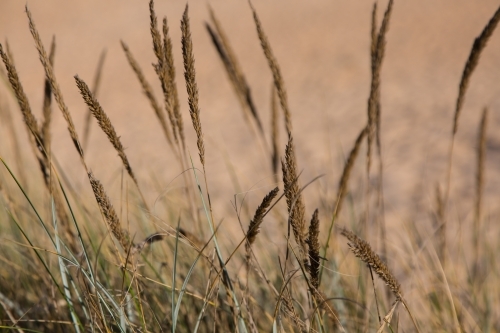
183	290
174	271
241	322
62	270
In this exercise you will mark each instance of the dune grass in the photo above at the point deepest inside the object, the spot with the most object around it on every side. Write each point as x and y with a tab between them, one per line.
74	264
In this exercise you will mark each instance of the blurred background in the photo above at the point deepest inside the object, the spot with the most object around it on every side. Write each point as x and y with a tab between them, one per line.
323	50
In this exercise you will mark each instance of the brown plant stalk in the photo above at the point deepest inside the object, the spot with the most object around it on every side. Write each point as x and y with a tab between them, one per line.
472	61
275	154
275	69
313	244
364	252
47	103
172	85
148	91
107	127
480	166
109	212
233	69
346	172
95	90
40	148
294	200
191	85
377	56
254	226
49	73
477	48
161	70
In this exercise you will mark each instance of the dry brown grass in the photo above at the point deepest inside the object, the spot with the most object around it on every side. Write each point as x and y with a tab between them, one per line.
346	172
313	243
233	69
191	85
275	151
162	70
294	200
107	127
47	103
148	91
49	72
172	85
275	69
40	140
364	252
475	53
277	291
109	213
95	89
472	61
254	226
377	56
22	99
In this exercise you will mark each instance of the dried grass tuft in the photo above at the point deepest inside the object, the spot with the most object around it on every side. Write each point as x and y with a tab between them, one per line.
471	64
278	78
172	86
313	243
294	200
47	103
472	61
49	73
148	91
344	179
377	56
36	137
109	212
161	69
233	69
254	227
275	159
6	116
28	117
95	90
105	124
191	86
363	251
440	223
22	99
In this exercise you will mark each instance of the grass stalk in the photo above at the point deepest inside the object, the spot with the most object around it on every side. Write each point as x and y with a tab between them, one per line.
275	69
472	61
95	90
148	91
233	69
107	127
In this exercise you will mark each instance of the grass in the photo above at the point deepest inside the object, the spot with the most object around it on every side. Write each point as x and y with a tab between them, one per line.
76	263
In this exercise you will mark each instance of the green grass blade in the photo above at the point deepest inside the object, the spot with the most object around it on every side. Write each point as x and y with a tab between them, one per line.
174	273
184	286
62	270
241	322
30	203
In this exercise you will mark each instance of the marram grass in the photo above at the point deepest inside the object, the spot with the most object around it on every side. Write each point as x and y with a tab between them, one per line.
84	258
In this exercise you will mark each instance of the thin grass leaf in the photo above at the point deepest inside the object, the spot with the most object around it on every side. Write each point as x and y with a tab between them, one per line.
30	202
63	272
241	322
174	274
184	286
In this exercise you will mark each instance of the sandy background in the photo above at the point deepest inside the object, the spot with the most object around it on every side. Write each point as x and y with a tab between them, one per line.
322	47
